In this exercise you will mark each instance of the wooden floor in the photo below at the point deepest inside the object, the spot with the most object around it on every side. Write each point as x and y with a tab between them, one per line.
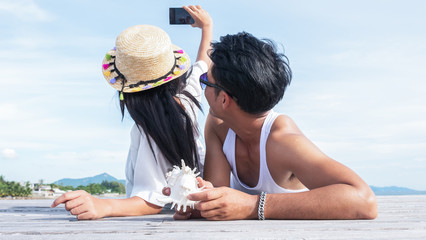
400	217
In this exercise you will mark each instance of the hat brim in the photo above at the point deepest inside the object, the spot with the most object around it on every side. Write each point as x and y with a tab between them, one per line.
183	63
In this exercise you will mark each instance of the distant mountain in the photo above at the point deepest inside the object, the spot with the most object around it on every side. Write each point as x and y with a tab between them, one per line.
393	190
75	182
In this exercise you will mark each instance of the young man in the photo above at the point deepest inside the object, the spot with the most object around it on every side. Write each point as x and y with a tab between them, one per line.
260	163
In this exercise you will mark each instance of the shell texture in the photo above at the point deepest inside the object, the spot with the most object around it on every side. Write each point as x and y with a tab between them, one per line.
182	182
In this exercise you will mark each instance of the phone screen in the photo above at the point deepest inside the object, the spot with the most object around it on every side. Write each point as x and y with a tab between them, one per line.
180	16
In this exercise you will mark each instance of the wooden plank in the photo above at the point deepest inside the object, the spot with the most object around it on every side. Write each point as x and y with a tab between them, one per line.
400	217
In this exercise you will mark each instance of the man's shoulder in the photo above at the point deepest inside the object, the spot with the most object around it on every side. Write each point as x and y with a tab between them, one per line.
285	140
284	128
284	124
217	127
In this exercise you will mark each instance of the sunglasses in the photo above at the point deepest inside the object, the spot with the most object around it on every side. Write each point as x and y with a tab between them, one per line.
204	82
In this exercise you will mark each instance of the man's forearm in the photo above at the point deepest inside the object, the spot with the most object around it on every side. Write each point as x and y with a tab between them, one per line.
339	201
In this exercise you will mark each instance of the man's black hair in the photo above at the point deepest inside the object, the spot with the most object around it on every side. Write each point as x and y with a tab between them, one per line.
251	70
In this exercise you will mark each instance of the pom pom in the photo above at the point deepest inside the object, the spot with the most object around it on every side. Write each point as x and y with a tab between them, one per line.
136	89
107	73
108	56
113	80
179	51
121	96
105	66
157	83
182	60
167	79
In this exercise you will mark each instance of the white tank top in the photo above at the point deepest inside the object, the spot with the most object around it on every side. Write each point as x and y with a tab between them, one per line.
266	183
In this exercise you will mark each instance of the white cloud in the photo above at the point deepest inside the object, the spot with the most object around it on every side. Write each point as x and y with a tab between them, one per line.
9	153
402	55
25	10
40	41
8	111
401	149
43	61
95	156
84	164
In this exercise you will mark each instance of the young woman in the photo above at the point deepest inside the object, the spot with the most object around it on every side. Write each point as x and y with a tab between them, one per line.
161	91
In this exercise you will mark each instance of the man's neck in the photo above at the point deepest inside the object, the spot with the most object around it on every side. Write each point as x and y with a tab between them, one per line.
247	127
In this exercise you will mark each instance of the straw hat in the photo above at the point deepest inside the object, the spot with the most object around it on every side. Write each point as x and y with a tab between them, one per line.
143	58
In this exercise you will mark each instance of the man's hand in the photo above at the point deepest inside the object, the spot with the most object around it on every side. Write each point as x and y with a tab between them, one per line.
225	203
83	205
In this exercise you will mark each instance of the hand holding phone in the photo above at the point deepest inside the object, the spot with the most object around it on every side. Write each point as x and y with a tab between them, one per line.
200	19
180	16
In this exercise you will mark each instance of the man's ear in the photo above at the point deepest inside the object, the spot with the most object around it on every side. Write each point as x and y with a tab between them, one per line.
226	100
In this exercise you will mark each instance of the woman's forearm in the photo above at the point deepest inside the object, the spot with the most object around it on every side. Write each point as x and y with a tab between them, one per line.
134	206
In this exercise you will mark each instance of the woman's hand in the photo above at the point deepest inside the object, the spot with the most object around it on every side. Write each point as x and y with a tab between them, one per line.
83	205
204	21
201	17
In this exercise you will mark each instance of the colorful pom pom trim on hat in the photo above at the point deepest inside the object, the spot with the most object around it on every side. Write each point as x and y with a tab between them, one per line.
109	68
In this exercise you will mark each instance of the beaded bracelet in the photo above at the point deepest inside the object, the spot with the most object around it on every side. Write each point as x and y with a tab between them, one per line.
261	207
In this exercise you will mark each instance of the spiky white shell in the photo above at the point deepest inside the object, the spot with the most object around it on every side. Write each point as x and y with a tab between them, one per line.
182	182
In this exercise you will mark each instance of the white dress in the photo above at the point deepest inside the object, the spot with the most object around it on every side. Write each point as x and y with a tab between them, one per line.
145	177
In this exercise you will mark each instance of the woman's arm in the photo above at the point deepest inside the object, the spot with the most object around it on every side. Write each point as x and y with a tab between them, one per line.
204	21
87	207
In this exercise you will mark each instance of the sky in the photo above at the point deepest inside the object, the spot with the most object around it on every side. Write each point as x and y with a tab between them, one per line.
358	89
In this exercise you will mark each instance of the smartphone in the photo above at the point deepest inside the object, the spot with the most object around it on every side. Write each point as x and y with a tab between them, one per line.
180	16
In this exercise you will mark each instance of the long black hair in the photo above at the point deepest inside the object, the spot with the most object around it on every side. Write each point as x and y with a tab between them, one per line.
160	116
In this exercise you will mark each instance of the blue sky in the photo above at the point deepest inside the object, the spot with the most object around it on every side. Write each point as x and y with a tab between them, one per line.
358	91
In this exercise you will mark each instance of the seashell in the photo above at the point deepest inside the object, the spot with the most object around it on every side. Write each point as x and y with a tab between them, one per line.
182	182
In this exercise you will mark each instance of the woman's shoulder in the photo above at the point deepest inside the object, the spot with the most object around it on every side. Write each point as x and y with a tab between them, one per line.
201	65
136	132
198	68
193	82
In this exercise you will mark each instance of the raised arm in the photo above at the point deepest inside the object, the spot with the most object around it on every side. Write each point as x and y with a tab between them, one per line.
204	21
